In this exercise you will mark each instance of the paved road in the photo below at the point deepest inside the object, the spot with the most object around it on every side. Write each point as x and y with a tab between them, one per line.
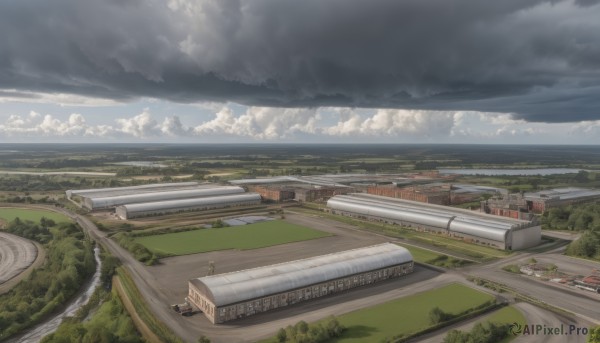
16	255
538	316
568	235
584	304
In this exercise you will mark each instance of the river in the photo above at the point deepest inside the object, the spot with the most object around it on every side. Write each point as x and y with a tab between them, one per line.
513	172
36	333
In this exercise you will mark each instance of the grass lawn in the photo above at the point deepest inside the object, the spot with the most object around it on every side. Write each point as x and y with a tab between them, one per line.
243	237
421	255
470	249
431	257
409	314
507	315
9	213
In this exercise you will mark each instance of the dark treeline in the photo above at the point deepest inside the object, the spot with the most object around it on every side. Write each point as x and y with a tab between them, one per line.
585	218
577	218
481	333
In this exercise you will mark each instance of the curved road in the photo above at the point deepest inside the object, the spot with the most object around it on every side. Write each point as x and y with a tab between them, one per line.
16	255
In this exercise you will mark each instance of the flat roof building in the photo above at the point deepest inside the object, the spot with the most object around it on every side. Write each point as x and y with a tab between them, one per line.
230	296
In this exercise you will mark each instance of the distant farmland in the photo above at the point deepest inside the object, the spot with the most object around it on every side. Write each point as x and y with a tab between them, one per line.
10	213
243	237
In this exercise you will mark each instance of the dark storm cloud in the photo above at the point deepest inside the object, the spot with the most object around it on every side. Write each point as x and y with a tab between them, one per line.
538	59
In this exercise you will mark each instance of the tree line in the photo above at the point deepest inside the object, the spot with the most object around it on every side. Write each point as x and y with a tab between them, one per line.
69	262
585	218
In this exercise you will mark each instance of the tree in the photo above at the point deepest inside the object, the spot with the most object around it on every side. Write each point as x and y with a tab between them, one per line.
334	328
292	331
45	222
456	336
436	315
107	270
281	335
594	335
302	327
218	224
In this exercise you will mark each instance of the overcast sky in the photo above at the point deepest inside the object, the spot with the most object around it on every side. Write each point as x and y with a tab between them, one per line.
397	71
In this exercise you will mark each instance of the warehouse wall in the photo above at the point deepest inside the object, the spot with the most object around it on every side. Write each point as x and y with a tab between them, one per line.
123	213
244	309
526	238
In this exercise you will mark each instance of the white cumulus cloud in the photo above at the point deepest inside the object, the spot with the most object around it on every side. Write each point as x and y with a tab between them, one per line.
392	122
263	123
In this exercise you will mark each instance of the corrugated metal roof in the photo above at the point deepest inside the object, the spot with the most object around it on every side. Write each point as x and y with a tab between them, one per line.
185	203
160	196
118	190
230	288
442	217
565	193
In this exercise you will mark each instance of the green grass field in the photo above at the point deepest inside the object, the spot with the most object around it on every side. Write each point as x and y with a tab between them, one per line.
431	257
409	314
421	255
243	237
9	213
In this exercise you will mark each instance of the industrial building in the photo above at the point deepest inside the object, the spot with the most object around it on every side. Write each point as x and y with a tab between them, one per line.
230	296
100	203
157	208
499	232
273	193
510	205
318	193
115	191
543	200
435	193
463	193
522	206
300	192
344	179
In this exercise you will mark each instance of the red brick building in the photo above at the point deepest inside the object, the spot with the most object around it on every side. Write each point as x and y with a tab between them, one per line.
439	195
272	193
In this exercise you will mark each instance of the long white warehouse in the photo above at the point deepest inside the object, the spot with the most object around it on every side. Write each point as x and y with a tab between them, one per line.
113	201
157	208
244	293
500	232
115	191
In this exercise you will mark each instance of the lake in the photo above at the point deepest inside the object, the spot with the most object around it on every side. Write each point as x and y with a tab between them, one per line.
514	172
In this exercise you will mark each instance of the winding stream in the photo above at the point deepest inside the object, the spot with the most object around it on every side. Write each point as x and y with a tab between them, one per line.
36	333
